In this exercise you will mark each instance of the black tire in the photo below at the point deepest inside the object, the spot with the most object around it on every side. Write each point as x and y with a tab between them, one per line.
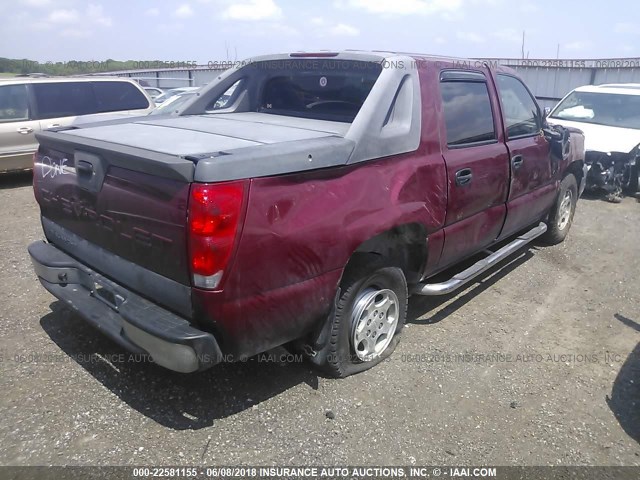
630	184
365	277
558	224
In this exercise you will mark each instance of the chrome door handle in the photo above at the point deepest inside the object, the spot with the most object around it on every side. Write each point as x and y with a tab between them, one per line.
517	161
463	177
25	130
53	125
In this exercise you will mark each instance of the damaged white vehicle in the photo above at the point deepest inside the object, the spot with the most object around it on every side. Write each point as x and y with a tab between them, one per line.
609	116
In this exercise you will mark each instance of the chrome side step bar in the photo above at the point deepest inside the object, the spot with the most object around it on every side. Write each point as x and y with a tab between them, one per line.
480	266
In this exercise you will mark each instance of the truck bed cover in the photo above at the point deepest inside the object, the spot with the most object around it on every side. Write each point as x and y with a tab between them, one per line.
197	134
221	146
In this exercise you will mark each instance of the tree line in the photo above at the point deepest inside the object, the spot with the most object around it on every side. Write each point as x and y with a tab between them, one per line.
75	67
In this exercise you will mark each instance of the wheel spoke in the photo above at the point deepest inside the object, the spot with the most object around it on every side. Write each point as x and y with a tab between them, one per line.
382	341
386	326
362	324
384	304
370	347
371	308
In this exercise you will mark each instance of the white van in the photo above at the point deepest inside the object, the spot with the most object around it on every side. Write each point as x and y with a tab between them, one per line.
29	105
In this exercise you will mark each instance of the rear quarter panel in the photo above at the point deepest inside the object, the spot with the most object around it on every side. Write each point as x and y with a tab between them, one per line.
299	233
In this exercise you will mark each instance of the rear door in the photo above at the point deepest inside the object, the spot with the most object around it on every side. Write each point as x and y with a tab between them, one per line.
532	189
17	128
477	163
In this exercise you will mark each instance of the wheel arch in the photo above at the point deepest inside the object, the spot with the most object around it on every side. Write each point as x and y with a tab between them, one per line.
404	245
576	168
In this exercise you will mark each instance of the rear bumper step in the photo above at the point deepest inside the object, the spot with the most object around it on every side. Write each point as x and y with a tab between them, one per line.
480	266
130	320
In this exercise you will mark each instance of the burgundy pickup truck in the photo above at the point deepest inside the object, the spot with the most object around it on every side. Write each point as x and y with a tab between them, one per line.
299	199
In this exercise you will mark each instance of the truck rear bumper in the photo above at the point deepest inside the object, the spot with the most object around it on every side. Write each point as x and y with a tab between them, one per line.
130	320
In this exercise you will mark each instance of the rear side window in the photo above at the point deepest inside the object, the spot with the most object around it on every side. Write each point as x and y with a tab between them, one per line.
14	103
521	113
224	100
64	99
116	96
467	112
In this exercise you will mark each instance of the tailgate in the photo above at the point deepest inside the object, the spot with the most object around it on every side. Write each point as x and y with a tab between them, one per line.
129	202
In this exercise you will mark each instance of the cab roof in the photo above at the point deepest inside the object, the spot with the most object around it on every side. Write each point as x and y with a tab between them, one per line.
382	56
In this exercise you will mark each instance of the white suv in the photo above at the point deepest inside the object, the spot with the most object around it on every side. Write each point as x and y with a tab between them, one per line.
29	105
609	116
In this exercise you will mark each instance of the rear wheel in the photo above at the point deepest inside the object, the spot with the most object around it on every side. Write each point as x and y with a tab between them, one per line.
561	214
368	319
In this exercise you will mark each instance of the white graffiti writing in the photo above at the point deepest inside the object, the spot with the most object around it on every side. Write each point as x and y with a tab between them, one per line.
54	167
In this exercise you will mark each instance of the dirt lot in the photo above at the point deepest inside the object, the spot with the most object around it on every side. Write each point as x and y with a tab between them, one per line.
559	383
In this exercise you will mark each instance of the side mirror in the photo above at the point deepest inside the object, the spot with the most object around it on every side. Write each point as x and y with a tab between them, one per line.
547	111
560	141
552	134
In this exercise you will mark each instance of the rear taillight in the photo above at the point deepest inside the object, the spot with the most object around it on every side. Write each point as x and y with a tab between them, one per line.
214	220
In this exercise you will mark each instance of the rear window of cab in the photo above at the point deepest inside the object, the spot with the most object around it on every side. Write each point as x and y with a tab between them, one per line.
318	89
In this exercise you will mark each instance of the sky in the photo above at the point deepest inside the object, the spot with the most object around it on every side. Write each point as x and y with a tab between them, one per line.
206	31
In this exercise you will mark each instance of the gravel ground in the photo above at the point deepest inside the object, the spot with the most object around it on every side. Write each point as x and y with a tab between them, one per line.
559	382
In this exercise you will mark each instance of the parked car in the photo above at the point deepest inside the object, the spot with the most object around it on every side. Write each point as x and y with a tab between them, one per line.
172	103
153	91
609	116
172	92
29	105
169	106
303	210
